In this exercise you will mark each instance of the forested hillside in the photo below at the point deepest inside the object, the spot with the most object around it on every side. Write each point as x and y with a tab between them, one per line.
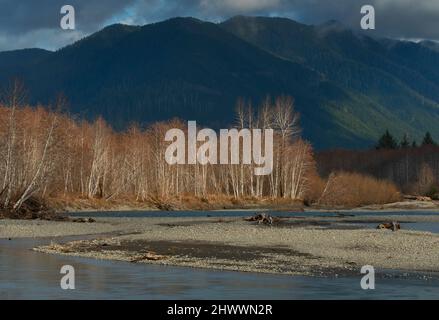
348	88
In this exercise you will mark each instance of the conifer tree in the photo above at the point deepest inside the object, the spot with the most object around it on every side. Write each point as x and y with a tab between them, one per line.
387	141
428	140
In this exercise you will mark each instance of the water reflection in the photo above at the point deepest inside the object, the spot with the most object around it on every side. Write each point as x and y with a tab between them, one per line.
25	274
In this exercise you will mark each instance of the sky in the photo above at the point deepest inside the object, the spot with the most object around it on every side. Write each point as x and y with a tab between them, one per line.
36	23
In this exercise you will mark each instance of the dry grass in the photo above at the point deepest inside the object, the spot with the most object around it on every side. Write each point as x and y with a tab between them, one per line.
315	187
185	201
353	190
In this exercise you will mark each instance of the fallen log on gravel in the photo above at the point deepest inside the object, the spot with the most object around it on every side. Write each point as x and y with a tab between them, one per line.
261	218
83	220
152	256
417	198
394	226
33	209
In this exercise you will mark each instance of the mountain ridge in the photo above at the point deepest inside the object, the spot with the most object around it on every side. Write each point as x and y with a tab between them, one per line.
195	70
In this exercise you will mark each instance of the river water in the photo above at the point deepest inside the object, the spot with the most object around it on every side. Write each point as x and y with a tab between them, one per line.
25	274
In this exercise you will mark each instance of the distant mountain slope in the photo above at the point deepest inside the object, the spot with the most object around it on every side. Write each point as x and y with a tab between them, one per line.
13	62
348	88
395	83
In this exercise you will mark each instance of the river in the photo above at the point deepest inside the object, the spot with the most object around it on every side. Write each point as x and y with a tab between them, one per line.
25	274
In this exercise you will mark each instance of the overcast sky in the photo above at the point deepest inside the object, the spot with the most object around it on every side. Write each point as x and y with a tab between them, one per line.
35	23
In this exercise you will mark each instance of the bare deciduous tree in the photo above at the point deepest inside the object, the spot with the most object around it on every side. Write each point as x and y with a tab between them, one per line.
48	154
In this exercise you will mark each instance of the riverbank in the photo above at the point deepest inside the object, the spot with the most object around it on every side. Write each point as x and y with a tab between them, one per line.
182	203
298	246
225	203
56	208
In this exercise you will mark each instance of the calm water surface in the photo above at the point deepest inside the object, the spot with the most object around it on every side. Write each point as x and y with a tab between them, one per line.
25	274
238	213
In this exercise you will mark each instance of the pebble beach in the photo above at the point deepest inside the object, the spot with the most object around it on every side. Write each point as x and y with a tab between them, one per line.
298	246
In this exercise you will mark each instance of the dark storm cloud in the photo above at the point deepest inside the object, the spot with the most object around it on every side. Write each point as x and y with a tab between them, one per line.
411	19
28	15
395	18
27	23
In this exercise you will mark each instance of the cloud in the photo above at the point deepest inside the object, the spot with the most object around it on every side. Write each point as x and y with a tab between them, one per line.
395	18
27	23
27	15
50	39
408	19
240	6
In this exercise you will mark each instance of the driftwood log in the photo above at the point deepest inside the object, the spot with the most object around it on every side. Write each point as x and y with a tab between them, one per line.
33	209
151	256
394	226
417	198
83	220
261	218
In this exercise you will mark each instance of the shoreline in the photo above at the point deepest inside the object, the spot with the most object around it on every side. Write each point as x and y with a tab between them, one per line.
215	203
60	208
406	206
316	246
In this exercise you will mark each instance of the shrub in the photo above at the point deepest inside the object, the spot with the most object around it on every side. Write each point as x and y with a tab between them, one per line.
353	190
433	192
425	185
314	191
